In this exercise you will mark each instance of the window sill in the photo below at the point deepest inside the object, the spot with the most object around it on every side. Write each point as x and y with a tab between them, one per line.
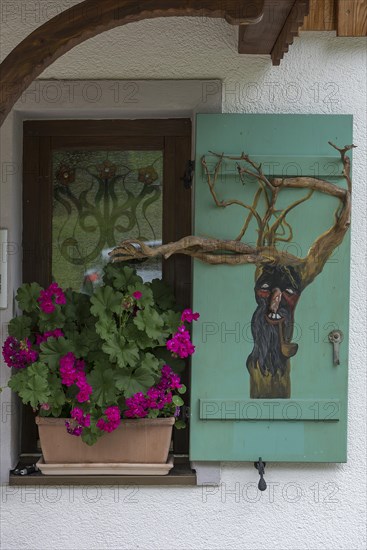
181	474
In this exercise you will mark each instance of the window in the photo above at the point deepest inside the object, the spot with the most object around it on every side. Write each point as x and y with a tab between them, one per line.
87	184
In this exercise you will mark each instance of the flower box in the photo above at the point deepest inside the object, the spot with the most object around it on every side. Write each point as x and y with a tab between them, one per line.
142	441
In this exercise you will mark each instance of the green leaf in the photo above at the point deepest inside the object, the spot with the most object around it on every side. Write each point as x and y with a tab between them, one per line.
153	413
57	396
102	381
51	321
91	435
182	390
105	327
147	294
98	357
113	346
105	301
172	320
77	308
53	349
83	342
130	354
142	340
31	384
90	438
162	293
19	327
149	320
176	399
133	382
150	363
124	353
121	277
122	379
180	424
27	296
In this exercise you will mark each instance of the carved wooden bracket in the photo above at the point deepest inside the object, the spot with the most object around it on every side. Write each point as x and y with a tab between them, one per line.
276	31
92	17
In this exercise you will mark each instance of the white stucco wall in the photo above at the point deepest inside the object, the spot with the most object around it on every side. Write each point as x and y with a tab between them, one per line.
306	506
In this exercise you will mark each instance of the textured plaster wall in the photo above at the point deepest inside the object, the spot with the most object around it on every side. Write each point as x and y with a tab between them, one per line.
306	506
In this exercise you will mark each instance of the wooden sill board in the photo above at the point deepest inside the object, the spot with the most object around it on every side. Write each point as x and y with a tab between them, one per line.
180	475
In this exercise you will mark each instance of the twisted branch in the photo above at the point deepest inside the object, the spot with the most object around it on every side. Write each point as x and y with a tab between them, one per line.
235	252
212	251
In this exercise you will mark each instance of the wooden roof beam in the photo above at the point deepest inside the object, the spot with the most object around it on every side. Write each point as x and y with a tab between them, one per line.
346	17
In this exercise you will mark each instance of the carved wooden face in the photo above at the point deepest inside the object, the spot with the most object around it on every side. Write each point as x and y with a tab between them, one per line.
279	288
277	291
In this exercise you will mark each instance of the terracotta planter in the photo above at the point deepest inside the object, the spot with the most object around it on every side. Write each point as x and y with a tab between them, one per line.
142	441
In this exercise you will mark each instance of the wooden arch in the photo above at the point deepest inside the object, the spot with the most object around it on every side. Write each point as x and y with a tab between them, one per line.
92	17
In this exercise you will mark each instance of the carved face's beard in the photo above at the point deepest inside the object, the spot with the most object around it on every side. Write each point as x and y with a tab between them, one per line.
267	352
277	291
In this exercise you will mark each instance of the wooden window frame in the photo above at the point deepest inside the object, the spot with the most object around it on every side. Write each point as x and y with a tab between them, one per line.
40	138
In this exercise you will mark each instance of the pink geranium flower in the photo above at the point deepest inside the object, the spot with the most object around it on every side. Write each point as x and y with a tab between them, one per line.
18	353
189	316
113	419
46	297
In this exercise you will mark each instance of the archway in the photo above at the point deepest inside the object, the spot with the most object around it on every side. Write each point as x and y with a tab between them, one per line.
92	17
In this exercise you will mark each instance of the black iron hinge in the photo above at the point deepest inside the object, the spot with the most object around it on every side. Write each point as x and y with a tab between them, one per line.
189	174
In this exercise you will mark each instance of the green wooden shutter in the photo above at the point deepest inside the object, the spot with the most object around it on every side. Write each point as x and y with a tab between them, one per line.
226	424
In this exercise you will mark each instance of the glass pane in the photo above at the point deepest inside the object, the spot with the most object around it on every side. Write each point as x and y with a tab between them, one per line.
100	198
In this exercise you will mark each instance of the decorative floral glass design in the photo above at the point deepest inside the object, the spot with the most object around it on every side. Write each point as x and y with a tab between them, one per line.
100	198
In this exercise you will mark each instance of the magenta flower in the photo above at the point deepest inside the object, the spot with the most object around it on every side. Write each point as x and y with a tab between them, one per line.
136	406
180	344
57	333
79	420
113	419
85	389
169	380
137	295
78	414
46	296
157	397
67	369
80	365
47	306
189	316
18	354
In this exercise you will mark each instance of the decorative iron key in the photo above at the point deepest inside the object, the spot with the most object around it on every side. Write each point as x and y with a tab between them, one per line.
336	337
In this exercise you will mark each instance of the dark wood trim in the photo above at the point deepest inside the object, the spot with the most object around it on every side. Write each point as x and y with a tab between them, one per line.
92	17
40	139
177	271
174	479
122	143
109	128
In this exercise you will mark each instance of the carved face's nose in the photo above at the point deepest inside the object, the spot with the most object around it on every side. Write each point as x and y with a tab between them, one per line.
275	300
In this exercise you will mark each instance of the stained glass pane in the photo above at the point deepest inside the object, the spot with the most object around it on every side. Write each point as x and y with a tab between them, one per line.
100	198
